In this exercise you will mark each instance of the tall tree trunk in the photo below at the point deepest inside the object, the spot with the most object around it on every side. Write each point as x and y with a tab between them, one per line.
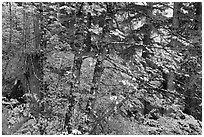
26	72
76	70
147	42
170	84
36	77
98	71
190	87
175	26
198	19
24	27
37	35
10	33
27	29
198	24
34	65
148	29
10	38
176	16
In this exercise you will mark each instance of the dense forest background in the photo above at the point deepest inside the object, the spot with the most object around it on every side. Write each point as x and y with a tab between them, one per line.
101	68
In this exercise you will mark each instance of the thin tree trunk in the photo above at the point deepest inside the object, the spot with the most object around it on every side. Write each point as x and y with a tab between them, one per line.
198	20
147	42
88	36
37	35
27	28
76	70
171	75
98	71
170	84
175	16
10	33
24	27
148	28
198	7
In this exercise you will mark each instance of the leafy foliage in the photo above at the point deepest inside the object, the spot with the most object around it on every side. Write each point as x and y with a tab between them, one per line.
102	67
